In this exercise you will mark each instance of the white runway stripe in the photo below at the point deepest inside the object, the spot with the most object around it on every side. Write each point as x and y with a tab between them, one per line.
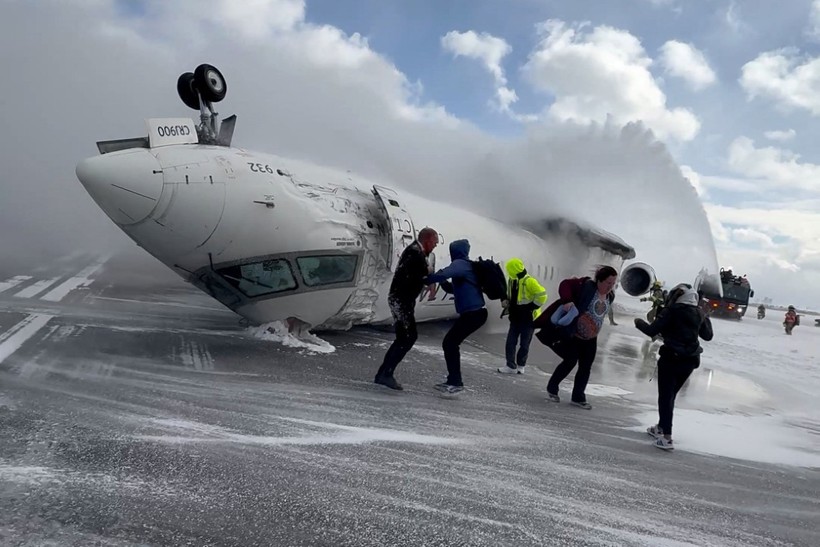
13	282
80	280
37	288
17	335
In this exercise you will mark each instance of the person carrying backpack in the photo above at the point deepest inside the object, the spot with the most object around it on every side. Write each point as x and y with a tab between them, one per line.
469	301
591	299
526	296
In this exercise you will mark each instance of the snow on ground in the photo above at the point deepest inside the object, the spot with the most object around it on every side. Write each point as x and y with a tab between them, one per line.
774	377
277	331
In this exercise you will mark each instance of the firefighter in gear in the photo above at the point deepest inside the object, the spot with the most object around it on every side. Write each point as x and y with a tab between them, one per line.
526	296
791	320
657	297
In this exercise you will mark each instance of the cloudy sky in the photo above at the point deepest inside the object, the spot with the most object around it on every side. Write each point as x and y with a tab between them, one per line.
521	108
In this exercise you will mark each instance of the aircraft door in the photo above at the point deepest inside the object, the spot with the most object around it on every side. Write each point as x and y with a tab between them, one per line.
400	230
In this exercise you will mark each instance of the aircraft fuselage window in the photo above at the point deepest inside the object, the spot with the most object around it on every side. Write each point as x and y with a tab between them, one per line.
258	278
326	270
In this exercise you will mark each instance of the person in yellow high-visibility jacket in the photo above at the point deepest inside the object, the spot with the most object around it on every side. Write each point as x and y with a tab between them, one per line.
526	296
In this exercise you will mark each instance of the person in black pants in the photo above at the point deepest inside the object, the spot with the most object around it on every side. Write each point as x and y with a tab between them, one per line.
592	298
408	282
470	307
680	323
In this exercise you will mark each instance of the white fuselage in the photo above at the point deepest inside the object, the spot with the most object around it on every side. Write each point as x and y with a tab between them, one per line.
279	239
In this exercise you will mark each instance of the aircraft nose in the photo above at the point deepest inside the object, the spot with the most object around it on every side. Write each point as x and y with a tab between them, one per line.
125	184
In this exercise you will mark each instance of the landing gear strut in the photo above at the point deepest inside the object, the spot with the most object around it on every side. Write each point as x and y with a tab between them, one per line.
199	90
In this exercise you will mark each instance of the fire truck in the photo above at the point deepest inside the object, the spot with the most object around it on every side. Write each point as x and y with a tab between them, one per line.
735	299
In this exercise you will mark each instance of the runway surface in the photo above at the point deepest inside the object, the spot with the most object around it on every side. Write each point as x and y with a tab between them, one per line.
135	410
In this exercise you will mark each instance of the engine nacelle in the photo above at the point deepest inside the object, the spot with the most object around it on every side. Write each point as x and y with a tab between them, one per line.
637	278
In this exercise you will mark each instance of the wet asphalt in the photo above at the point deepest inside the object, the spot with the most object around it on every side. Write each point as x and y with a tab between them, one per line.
137	411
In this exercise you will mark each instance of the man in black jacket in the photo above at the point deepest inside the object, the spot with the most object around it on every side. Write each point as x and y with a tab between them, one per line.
408	281
680	323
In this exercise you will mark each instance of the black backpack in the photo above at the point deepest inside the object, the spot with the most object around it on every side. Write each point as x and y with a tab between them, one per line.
491	278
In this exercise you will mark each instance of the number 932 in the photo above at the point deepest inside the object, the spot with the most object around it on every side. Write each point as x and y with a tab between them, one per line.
259	168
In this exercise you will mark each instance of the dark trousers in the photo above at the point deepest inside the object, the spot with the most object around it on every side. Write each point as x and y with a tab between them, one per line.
466	324
404	318
673	371
523	332
582	353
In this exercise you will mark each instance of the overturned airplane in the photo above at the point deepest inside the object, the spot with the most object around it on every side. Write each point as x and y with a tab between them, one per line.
274	239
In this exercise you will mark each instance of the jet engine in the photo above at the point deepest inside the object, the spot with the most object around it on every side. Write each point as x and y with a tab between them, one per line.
637	278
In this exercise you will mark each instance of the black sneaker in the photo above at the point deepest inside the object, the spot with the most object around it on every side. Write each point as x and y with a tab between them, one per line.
388	381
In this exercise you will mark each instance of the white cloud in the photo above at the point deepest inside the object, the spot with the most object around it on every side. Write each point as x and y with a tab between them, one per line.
777	236
602	72
687	62
786	78
488	49
781	136
781	263
256	18
730	184
671	4
813	28
732	18
315	92
775	166
798	232
748	235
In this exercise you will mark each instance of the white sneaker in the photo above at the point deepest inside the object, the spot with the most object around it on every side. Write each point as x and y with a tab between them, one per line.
654	431
520	370
506	370
663	443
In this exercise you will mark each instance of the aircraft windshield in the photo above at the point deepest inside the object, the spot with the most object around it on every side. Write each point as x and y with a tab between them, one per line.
326	270
258	278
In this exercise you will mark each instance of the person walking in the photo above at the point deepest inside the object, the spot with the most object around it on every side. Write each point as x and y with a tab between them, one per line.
469	302
592	298
525	296
681	322
791	320
408	281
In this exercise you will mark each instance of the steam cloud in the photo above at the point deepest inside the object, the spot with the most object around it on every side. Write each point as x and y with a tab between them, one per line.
295	94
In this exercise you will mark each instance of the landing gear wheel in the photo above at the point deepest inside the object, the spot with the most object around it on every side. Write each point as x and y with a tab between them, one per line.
210	83
187	91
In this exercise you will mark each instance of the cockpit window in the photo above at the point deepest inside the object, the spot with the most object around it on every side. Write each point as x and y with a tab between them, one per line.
258	278
326	270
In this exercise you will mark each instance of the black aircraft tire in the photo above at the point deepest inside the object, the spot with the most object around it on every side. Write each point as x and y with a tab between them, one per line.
210	82
187	91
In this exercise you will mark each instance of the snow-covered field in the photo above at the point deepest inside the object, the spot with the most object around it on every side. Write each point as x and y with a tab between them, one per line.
755	395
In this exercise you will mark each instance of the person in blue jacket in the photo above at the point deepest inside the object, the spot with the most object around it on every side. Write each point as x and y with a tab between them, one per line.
470	307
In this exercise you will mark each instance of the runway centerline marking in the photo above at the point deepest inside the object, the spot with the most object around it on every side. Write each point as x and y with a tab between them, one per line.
13	282
17	335
80	280
37	288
